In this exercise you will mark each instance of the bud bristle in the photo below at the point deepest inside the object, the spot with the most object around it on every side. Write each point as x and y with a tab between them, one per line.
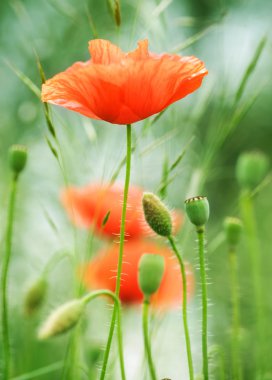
157	215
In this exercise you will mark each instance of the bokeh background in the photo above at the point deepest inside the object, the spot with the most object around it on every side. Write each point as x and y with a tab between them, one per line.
216	124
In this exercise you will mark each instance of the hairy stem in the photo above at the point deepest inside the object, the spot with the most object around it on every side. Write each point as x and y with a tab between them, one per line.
200	235
184	306
121	250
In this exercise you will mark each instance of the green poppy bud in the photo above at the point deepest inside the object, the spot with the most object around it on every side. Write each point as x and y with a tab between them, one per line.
150	273
17	158
157	215
35	296
198	210
233	229
251	169
62	319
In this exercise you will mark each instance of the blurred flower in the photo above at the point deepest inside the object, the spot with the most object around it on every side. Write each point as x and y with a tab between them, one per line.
100	273
123	88
91	204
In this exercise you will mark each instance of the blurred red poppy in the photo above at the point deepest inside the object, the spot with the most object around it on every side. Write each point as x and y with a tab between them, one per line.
123	88
100	273
89	205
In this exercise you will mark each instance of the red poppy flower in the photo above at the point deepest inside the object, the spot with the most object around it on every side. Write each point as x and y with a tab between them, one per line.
100	273
123	88
89	206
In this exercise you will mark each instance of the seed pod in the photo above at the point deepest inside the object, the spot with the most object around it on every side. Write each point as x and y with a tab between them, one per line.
198	210
157	215
17	158
35	296
251	169
233	229
150	273
62	319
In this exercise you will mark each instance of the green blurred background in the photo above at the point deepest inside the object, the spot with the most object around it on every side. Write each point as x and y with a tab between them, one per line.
225	35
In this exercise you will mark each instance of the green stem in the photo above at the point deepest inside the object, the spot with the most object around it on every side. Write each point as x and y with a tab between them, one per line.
247	210
235	347
121	250
200	235
184	306
146	340
4	279
117	302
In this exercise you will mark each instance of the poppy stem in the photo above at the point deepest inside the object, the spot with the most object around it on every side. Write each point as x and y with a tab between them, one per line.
247	211
184	306
200	236
235	341
117	302
146	339
4	278
121	251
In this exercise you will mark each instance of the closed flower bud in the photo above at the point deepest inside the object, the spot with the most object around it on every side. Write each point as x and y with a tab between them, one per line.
251	169
17	158
198	210
157	215
150	272
62	319
233	229
35	296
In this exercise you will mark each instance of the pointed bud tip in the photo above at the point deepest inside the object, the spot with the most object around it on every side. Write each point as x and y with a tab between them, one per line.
198	210
157	215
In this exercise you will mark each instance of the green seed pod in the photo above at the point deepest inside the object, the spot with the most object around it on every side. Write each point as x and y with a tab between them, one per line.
233	229
157	215
198	210
17	158
150	273
62	319
35	296
251	169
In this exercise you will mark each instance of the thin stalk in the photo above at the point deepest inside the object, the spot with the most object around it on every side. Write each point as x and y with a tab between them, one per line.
146	340
247	211
235	333
121	250
200	236
117	302
4	278
184	306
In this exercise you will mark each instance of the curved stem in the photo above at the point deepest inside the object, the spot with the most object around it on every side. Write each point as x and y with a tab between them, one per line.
235	347
200	235
4	279
121	250
146	340
116	300
184	306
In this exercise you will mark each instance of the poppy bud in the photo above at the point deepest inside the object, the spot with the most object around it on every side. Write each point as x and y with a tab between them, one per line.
233	229
35	296
150	272
62	319
17	158
157	215
251	169
198	210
